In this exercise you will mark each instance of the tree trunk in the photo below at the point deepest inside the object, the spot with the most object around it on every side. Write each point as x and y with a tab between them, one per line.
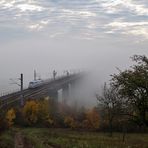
111	127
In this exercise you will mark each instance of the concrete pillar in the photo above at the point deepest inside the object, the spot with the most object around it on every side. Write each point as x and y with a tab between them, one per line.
73	91
65	94
53	95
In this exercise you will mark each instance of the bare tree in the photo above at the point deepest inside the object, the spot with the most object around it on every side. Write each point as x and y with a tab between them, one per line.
111	104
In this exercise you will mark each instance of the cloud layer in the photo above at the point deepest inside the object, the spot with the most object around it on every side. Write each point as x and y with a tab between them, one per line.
83	19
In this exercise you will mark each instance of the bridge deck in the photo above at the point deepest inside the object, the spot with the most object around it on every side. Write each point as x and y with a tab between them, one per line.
48	86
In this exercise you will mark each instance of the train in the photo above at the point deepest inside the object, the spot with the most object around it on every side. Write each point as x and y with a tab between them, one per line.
35	84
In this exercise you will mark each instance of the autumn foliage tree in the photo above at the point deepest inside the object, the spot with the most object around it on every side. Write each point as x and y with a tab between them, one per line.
44	113
37	112
30	112
10	116
70	122
92	120
133	87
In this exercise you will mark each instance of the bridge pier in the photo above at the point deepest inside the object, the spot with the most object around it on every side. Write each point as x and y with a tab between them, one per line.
54	95
53	102
73	90
65	93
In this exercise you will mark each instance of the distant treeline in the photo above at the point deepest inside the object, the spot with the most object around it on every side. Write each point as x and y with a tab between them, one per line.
43	113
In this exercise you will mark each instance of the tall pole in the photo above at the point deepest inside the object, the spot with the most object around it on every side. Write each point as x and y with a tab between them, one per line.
21	82
21	97
54	74
35	75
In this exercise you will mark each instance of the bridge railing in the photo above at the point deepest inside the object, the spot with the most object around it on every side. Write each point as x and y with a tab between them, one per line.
17	90
8	92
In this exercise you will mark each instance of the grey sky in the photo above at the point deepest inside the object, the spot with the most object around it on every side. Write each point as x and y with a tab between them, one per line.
65	34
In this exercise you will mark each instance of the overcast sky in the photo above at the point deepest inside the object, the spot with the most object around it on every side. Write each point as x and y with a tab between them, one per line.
70	34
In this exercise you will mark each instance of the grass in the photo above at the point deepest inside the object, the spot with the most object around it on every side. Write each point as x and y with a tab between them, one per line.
44	138
66	138
7	140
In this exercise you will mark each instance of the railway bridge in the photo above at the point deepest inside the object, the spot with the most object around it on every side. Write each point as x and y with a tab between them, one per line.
49	87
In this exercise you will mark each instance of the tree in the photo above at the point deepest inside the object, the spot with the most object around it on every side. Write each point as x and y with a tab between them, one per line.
44	113
70	122
30	112
38	112
110	104
92	120
132	85
10	116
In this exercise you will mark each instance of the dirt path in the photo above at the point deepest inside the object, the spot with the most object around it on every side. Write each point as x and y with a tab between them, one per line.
21	141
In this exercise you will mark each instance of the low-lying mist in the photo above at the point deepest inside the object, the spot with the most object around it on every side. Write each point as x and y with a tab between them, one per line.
99	57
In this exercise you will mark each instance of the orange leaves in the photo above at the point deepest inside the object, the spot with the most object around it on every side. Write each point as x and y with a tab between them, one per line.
30	111
70	122
37	112
44	113
92	119
43	106
10	116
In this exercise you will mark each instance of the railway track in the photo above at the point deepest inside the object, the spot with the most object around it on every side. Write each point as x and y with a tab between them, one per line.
49	85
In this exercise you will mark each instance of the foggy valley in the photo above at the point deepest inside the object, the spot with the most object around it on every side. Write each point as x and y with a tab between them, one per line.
75	65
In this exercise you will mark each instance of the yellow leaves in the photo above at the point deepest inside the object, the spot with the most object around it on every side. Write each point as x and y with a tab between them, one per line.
10	116
70	122
30	111
37	112
44	113
43	109
92	119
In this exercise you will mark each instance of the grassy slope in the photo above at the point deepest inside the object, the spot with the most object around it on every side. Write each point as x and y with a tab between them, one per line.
61	138
7	140
44	138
